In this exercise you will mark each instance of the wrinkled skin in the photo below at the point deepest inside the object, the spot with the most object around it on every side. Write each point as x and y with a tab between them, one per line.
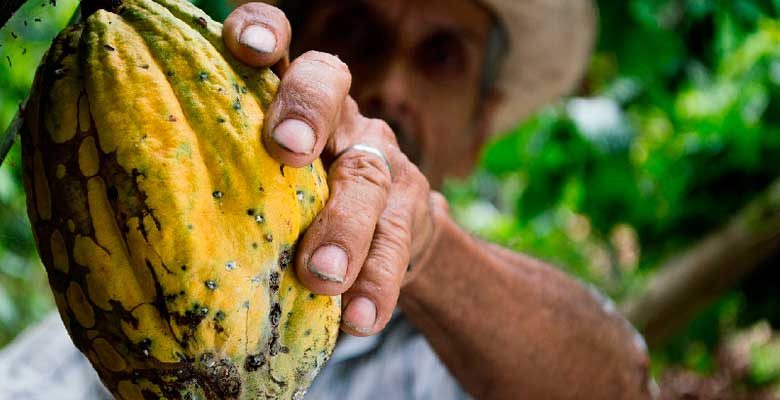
507	326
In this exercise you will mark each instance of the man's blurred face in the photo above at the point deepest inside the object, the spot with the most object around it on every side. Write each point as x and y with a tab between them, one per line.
418	64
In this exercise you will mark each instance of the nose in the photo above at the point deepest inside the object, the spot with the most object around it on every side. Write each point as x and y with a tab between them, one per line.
386	92
388	96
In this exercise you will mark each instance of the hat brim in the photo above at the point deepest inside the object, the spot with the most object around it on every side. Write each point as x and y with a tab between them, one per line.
549	47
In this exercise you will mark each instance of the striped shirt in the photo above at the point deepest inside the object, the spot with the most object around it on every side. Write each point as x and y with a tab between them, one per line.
43	364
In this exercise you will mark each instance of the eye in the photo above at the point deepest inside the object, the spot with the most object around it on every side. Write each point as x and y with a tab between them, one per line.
443	53
351	33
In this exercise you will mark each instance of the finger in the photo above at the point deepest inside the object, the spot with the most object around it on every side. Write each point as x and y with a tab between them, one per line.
257	34
370	302
336	244
306	108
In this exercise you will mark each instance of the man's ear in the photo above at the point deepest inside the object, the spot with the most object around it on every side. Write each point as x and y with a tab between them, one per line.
487	111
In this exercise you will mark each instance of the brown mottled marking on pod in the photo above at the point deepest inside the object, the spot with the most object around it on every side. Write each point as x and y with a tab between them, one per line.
80	306
88	157
84	119
42	193
127	390
108	356
59	253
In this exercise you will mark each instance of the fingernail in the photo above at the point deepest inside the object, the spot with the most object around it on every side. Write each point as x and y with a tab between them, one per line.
258	38
295	135
329	263
360	315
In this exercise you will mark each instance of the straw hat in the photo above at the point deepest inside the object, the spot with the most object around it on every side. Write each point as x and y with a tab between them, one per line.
549	46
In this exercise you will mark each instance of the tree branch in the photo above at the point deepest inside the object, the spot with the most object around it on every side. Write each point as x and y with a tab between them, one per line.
691	280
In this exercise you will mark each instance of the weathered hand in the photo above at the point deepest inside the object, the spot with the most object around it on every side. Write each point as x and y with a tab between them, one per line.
378	219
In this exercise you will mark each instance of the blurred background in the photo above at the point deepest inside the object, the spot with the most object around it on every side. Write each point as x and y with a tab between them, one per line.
658	182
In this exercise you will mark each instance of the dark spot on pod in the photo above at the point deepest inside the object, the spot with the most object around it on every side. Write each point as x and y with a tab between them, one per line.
171	297
170	73
219	316
222	377
284	349
211	284
25	22
311	199
144	66
259	218
144	345
203	76
269	237
312	296
9	61
217	194
285	258
307	332
37	20
172	118
201	22
237	105
189	226
112	193
250	211
108	47
281	169
254	362
181	293
13	34
244	90
183	267
299	195
254	245
261	189
24	50
192	317
124	315
273	281
275	314
221	120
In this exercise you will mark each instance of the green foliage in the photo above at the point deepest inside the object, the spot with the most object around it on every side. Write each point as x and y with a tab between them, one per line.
676	129
24	293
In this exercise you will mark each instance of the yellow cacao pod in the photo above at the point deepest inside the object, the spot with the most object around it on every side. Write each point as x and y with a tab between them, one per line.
166	229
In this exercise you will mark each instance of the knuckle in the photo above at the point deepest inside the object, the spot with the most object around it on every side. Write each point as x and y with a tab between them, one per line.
260	11
361	168
394	229
382	130
326	62
346	220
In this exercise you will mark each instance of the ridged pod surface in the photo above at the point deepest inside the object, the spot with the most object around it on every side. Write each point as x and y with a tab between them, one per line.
166	229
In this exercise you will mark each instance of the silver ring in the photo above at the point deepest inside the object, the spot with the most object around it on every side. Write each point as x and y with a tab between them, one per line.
367	148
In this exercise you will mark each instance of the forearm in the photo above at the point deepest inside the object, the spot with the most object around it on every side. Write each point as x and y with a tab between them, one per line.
510	327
